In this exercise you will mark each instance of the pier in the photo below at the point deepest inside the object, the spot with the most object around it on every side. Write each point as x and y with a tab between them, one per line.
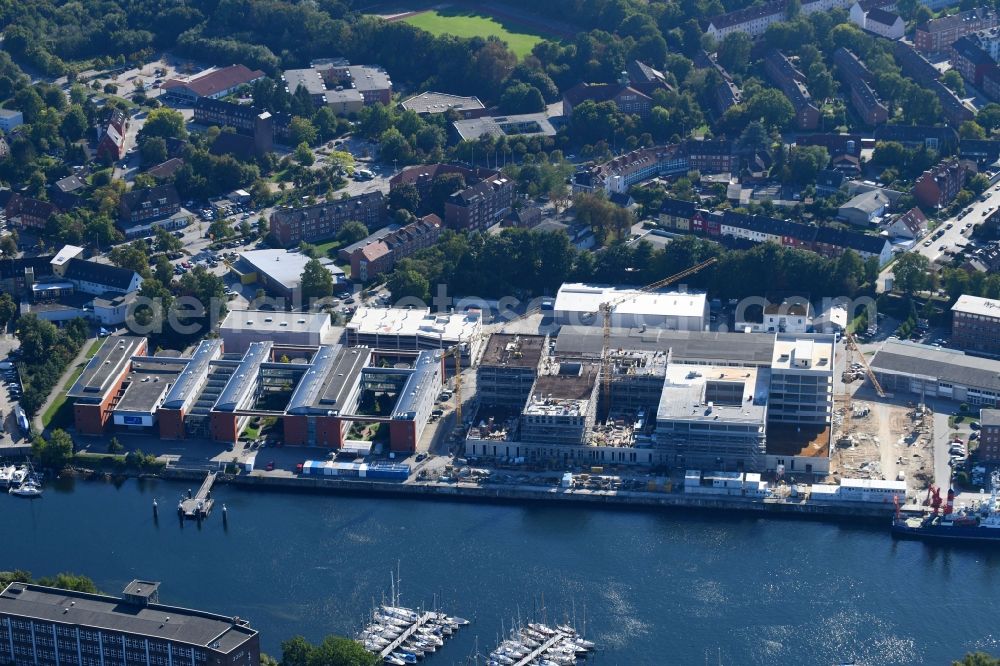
405	636
199	505
541	649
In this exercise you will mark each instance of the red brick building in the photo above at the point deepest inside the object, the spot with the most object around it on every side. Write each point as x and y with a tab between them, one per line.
26	212
99	387
111	146
939	185
937	35
381	256
628	99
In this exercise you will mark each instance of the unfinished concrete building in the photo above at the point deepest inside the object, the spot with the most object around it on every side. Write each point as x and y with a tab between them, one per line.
508	369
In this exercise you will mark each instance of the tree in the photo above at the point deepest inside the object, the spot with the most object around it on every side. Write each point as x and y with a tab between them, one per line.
165	123
977	659
73	124
8	247
405	197
166	241
153	150
303	155
133	256
352	232
522	98
54	453
734	52
954	81
7	310
970	129
910	273
771	107
302	130
407	282
317	281
340	651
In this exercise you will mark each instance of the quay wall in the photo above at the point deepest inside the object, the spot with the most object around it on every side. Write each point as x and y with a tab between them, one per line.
552	495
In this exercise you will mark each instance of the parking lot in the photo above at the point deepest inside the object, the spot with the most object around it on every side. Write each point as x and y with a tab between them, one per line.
11	392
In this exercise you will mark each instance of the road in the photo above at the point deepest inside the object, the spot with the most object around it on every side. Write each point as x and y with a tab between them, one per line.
956	236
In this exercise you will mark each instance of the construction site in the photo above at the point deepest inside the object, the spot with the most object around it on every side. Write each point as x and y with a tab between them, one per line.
879	437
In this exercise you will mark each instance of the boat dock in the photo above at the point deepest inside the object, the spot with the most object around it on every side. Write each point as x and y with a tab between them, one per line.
549	643
403	637
199	505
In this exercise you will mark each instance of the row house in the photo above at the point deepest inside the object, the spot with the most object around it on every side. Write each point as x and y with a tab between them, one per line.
942	139
628	99
939	185
684	217
856	76
726	94
290	226
481	205
754	20
111	145
381	256
937	35
792	82
28	213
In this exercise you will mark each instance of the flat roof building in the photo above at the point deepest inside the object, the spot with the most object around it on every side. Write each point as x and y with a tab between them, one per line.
95	391
508	369
280	271
714	417
932	372
975	324
241	328
46	626
415	329
579	304
431	103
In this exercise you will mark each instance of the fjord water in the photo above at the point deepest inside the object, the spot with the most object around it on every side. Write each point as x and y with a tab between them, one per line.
656	588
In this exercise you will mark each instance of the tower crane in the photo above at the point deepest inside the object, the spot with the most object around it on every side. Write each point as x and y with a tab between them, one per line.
852	344
608	307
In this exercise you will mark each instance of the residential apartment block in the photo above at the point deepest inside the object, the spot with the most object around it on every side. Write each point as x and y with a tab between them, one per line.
925	74
45	626
937	35
380	256
480	205
975	324
289	225
937	186
793	83
856	76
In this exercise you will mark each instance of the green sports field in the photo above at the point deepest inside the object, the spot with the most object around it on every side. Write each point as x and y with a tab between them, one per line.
472	24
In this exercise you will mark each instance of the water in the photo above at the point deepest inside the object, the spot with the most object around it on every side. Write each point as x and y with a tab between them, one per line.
658	588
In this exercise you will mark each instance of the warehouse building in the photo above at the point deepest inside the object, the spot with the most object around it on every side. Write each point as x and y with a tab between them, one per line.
46	626
578	304
932	372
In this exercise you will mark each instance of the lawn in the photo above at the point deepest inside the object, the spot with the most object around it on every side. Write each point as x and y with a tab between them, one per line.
464	23
60	413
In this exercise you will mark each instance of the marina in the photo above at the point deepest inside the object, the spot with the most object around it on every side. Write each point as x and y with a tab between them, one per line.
538	644
400	635
21	481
